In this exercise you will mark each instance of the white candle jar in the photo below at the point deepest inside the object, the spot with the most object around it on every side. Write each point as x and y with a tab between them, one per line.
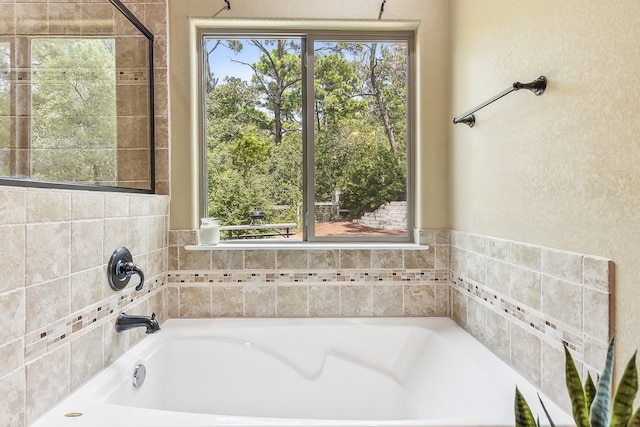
209	233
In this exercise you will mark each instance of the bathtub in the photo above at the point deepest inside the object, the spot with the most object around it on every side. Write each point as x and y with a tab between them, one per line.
302	372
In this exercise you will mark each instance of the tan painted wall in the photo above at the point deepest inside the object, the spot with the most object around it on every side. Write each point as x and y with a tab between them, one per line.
430	18
560	170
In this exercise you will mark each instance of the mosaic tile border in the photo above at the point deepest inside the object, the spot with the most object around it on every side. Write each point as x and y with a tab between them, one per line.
309	276
46	339
531	320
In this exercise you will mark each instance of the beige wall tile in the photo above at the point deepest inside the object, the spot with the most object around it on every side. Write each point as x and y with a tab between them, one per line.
324	300
498	335
228	301
563	301
12	404
157	232
387	300
115	236
595	354
324	258
47	382
12	356
114	344
420	258
227	260
194	260
443	237
138	235
561	264
442	257
596	314
86	357
87	205
292	301
86	244
195	301
47	303
598	273
459	307
526	354
477	320
291	259
116	205
12	315
48	206
355	300
355	258
498	276
386	258
498	249
48	252
87	288
259	260
172	302
443	304
476	266
14	206
259	301
553	374
419	300
525	286
524	255
12	267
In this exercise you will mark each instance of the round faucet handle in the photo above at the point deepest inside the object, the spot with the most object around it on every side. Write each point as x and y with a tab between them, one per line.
120	269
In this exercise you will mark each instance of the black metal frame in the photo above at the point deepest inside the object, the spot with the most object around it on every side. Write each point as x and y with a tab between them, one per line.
29	182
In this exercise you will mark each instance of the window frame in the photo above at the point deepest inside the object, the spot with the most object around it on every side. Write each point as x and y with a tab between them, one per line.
307	64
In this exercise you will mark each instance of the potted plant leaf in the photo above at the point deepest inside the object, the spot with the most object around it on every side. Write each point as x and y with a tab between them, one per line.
592	404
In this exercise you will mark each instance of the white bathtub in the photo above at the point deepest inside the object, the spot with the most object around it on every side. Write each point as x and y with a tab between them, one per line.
302	372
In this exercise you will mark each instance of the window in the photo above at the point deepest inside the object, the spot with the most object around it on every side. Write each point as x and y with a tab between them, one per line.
307	137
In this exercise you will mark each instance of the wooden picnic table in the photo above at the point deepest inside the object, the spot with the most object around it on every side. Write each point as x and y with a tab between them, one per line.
240	231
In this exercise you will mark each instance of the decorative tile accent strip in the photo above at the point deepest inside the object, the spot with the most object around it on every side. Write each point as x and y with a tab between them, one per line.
528	318
310	276
46	339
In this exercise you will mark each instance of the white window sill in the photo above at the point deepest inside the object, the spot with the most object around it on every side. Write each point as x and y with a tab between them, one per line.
297	245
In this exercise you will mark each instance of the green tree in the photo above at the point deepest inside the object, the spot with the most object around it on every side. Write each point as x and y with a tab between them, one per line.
371	177
74	110
278	74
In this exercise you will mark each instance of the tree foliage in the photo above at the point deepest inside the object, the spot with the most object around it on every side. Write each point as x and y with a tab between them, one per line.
73	110
254	129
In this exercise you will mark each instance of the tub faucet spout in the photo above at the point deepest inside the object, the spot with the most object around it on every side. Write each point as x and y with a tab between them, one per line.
126	321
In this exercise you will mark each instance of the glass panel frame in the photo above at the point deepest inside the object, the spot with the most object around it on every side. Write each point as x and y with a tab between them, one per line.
147	186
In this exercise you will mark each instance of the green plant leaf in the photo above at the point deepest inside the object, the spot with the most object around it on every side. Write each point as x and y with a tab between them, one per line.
589	389
625	394
524	416
551	423
600	412
635	419
576	392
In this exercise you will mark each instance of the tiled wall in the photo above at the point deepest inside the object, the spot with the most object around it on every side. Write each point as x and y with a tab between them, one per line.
522	301
308	282
57	310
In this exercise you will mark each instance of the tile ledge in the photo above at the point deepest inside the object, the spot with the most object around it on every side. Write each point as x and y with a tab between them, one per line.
304	246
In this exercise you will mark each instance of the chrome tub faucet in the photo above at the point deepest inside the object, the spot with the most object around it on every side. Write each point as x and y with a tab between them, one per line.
126	321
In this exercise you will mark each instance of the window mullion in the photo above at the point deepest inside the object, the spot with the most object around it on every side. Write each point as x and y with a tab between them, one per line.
308	142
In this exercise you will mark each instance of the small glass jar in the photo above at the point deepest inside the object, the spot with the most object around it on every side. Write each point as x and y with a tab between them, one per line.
209	233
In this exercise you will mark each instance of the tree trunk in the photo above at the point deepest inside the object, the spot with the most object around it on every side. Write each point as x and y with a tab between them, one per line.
382	108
